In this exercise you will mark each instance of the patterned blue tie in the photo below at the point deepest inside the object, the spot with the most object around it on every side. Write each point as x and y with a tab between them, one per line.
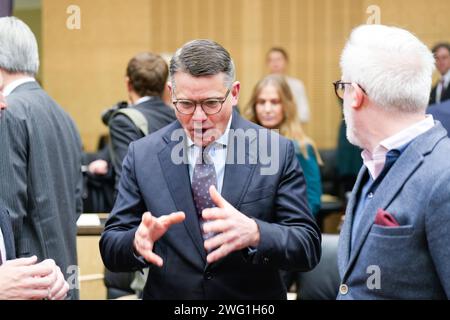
204	176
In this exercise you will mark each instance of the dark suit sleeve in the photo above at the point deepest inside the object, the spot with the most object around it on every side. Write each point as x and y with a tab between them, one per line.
116	243
437	220
14	168
122	131
292	240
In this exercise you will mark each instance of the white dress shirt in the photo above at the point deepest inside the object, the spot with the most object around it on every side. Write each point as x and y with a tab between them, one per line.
299	94
2	248
10	87
375	160
440	87
217	153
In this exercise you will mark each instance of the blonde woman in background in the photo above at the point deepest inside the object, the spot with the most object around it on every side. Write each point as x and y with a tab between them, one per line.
272	106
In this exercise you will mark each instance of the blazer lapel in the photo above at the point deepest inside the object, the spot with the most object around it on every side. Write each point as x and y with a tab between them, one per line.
178	181
345	238
237	174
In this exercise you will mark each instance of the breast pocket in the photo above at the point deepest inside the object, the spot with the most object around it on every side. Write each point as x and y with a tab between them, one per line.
400	231
258	194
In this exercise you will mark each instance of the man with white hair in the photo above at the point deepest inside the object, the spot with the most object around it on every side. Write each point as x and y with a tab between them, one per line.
40	158
394	241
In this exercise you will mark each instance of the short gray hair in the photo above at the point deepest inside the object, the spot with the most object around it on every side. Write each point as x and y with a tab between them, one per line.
391	64
202	58
18	47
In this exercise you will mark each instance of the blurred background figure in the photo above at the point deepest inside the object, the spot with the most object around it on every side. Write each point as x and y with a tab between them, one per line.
441	92
277	62
146	78
98	174
272	106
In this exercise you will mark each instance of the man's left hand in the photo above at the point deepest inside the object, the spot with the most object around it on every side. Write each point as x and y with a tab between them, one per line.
234	230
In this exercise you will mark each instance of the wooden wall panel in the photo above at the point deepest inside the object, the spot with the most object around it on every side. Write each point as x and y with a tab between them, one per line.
84	69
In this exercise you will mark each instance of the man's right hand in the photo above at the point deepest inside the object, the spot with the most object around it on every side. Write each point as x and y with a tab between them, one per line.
150	230
23	279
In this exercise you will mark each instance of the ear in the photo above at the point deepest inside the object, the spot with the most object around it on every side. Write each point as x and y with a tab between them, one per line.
357	96
235	89
169	86
128	84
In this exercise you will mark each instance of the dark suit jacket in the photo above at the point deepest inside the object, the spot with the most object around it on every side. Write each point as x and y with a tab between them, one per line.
123	131
445	95
411	261
40	166
8	237
152	181
441	112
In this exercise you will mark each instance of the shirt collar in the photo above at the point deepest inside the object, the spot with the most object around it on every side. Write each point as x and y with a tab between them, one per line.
141	100
223	139
13	85
446	78
375	160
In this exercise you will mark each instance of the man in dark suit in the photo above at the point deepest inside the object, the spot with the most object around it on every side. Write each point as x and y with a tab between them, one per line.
23	278
441	112
224	199
441	91
146	79
40	158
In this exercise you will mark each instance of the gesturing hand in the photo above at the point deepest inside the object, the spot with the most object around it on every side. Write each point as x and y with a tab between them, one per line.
150	230
234	229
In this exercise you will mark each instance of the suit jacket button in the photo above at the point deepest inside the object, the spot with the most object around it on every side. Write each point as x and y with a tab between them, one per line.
208	276
266	260
343	289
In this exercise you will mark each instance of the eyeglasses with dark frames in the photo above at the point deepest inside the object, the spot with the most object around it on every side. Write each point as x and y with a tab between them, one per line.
339	89
209	106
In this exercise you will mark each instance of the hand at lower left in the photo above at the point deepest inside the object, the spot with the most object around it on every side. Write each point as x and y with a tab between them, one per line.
233	229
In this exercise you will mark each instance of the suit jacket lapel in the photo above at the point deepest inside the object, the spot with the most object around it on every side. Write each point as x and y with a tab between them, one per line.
345	238
237	174
178	181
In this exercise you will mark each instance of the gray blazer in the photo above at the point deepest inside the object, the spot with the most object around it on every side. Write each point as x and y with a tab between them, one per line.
413	259
40	166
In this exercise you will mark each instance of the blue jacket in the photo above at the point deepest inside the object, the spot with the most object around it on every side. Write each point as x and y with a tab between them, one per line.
311	172
411	261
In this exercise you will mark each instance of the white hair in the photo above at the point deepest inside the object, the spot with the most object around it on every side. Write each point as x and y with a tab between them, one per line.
18	47
392	65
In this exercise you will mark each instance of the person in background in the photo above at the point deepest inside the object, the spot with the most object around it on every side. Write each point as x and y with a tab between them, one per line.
40	158
441	91
277	62
146	78
272	106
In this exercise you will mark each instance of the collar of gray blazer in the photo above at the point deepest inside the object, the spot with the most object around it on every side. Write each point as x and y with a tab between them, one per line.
407	163
236	180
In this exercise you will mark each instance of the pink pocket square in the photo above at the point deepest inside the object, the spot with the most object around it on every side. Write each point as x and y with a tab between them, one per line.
384	218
